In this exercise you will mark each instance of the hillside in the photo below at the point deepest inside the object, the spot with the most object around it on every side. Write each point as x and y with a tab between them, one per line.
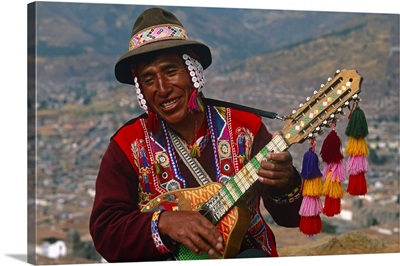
365	43
353	242
288	51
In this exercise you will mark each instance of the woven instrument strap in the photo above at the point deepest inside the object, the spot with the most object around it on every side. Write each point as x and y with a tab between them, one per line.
192	164
259	112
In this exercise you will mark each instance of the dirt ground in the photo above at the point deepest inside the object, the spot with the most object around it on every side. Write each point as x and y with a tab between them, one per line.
291	242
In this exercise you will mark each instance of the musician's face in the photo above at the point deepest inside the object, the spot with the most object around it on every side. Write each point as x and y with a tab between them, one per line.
166	86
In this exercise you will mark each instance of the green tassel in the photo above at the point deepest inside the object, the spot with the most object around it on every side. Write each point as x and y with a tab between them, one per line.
357	126
195	151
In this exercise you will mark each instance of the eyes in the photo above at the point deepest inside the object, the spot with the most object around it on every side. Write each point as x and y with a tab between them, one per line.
167	73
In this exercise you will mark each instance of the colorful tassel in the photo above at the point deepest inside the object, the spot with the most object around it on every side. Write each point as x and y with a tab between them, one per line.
357	149
357	164
311	206
310	167
194	150
357	126
332	206
312	187
310	225
334	173
357	184
195	103
331	148
332	188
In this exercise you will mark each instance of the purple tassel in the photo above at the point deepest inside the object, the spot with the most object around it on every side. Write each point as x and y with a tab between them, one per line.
311	206
357	164
310	167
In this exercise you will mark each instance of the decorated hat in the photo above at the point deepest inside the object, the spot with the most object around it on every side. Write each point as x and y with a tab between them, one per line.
154	30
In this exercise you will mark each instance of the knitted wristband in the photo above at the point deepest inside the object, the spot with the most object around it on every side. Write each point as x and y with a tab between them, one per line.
161	247
288	197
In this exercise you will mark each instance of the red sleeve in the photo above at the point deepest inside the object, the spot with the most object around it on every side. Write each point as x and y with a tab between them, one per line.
120	231
286	215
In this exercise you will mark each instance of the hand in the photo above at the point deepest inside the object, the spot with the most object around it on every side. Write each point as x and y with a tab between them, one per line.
277	170
192	230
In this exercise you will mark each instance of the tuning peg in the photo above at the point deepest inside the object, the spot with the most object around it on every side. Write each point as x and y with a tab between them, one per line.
319	131
322	85
326	123
340	111
293	112
337	72
315	92
329	79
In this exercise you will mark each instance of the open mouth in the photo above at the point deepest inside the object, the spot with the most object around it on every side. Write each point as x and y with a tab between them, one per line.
169	104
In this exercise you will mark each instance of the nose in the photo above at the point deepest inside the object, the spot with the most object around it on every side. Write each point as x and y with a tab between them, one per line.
164	86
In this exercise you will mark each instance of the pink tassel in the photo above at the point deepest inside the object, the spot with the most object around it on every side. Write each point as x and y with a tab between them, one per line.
311	206
338	171
192	104
357	164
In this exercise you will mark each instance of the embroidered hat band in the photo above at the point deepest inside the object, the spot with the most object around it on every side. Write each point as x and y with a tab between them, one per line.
157	33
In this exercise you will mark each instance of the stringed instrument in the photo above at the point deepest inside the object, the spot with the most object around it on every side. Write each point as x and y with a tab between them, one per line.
221	203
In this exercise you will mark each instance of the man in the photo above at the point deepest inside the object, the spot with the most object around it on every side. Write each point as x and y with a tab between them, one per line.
181	142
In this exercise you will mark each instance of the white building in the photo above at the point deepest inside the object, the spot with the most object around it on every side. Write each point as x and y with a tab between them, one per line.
52	248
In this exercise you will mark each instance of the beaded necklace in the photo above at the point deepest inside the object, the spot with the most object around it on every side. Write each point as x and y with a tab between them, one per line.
214	143
172	155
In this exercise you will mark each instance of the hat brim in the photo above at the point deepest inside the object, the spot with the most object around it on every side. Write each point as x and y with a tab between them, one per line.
123	66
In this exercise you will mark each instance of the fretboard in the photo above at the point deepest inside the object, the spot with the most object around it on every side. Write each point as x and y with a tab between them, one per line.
228	195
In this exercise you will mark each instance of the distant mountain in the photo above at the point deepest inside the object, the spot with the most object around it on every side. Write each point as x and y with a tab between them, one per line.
103	30
366	42
237	33
78	43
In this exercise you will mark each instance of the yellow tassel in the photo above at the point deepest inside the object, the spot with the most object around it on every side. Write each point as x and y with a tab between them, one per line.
312	187
357	147
332	189
195	151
